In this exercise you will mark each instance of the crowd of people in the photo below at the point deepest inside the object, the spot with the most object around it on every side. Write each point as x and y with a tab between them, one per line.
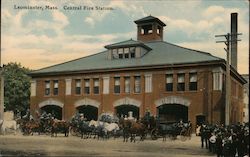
226	141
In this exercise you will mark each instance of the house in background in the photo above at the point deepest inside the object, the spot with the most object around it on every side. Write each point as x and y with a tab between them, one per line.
143	75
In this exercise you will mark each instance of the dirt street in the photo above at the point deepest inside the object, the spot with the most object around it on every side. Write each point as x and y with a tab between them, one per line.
42	145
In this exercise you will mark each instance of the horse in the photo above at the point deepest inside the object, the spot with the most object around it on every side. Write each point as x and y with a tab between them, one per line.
132	128
8	125
59	126
100	129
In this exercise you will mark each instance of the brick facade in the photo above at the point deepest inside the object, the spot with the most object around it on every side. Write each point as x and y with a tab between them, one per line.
203	101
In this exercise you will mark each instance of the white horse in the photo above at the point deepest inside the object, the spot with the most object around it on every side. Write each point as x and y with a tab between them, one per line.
8	125
111	127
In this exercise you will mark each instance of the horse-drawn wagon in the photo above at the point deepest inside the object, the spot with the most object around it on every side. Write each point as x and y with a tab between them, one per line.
167	129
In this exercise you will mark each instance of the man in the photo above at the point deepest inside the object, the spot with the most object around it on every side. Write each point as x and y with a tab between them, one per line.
203	133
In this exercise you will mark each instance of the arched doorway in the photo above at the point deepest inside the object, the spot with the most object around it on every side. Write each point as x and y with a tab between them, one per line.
172	112
123	110
52	106
55	110
90	112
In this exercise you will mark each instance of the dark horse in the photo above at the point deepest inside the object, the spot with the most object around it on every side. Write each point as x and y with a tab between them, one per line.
132	129
59	126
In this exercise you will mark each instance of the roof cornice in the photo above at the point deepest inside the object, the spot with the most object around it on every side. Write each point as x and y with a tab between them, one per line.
127	68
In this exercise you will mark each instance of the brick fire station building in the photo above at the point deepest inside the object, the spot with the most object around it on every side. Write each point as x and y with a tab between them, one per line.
147	74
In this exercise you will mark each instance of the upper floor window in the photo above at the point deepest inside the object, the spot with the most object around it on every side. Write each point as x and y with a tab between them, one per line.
127	84
132	52
126	52
181	82
115	53
86	86
137	84
120	53
78	86
193	81
169	82
147	29
96	86
55	90
47	87
117	85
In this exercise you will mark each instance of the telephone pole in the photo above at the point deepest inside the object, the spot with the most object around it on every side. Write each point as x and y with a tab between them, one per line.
228	43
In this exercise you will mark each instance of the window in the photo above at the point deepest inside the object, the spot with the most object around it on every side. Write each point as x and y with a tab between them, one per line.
114	53
47	87
132	52
158	30
181	82
78	86
86	86
55	90
126	52
117	85
193	81
96	86
147	29
127	84
142	31
137	84
169	82
120	53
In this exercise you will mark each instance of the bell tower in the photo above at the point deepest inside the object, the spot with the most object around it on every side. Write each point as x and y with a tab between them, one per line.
149	29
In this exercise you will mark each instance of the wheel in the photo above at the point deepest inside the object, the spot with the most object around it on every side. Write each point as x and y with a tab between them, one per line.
73	132
154	133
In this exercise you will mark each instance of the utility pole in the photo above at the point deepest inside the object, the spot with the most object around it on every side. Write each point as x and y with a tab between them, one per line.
228	42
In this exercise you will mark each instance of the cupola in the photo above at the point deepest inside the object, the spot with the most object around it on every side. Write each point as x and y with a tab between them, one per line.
149	29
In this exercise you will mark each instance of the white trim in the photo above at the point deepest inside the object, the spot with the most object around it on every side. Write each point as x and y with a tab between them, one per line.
217	69
33	88
87	101
148	83
51	102
169	72
105	81
127	101
68	83
172	100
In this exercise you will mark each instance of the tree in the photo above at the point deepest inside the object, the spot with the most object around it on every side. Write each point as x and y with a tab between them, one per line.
16	87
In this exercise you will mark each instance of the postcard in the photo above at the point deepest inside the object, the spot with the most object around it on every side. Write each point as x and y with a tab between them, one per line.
124	78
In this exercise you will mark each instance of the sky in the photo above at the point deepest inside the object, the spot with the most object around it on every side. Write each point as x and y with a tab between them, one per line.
39	38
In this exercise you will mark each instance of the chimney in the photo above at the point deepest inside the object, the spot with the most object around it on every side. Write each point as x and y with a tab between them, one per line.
234	31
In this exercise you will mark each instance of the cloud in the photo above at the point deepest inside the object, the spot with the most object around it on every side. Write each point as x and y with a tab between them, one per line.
213	11
90	21
217	49
60	17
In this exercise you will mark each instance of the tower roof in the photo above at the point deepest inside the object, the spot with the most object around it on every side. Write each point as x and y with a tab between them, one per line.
127	43
149	19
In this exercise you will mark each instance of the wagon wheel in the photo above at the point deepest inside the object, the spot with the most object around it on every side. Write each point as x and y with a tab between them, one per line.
154	133
183	135
73	131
